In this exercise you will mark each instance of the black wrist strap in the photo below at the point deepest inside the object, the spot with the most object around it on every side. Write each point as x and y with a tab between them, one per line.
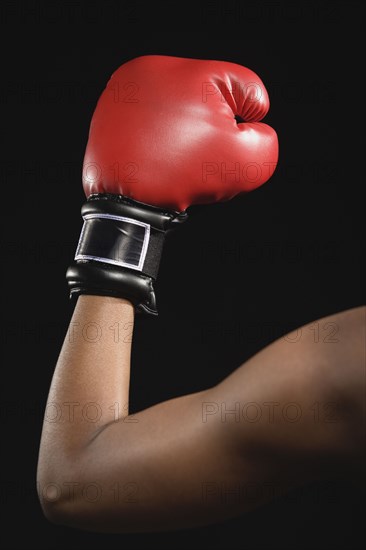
120	241
124	233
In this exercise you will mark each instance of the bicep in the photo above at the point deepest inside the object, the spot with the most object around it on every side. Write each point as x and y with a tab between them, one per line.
190	461
274	423
163	468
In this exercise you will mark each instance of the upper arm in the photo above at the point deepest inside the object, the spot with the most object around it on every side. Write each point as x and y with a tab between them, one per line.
211	455
158	469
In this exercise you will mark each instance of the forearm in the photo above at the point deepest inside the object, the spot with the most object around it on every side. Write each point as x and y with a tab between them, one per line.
90	385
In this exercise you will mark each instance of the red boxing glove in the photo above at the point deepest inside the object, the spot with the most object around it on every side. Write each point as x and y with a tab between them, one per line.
167	133
164	133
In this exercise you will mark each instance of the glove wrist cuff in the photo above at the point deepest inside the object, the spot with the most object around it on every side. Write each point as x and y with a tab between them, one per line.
119	249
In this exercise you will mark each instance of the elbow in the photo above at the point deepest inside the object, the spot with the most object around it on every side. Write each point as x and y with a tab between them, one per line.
58	494
61	509
75	514
60	485
64	502
72	493
66	494
65	515
52	513
53	501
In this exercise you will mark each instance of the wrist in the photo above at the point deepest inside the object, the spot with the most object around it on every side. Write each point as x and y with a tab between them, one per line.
110	301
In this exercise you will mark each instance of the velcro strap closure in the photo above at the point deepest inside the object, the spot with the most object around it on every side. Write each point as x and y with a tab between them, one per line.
120	241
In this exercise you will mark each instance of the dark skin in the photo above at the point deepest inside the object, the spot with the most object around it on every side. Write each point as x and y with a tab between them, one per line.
291	414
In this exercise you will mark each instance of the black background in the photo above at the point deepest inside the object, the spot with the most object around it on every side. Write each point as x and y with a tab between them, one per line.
235	277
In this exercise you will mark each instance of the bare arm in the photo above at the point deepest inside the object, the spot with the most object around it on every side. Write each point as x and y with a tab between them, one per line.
290	414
